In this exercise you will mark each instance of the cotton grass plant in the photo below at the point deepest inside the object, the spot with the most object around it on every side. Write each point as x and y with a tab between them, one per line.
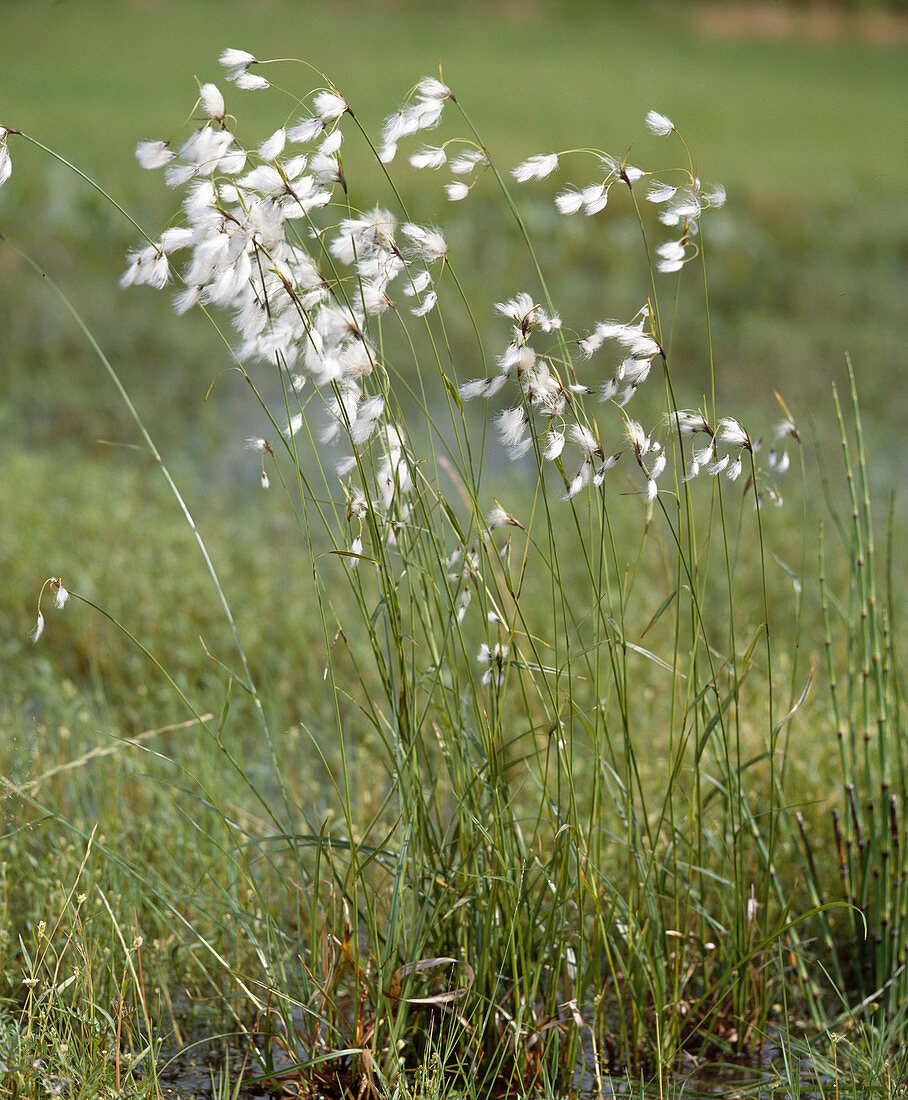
550	726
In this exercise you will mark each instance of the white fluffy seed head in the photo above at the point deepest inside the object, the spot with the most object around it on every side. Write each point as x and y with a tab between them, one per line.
584	439
660	192
637	436
212	102
715	197
594	198
478	387
569	201
581	478
153	154
236	59
428	243
367	416
785	429
429	157
658	124
329	105
247	81
332	143
175	238
536	167
432	88
273	146
688	423
499	517
306	130
511	424
671	250
554	445
419	282
464	163
731	432
426	306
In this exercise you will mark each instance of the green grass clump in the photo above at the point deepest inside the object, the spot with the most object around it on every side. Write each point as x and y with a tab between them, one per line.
466	757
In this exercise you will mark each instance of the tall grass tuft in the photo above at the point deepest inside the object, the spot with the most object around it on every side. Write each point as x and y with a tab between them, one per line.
867	706
544	708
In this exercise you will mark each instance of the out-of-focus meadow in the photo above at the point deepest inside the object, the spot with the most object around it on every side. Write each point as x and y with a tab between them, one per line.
806	263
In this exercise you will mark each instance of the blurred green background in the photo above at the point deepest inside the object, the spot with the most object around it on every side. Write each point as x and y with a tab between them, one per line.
800	112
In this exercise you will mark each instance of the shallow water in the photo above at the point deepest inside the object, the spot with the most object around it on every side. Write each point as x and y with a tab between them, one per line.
746	1078
188	1073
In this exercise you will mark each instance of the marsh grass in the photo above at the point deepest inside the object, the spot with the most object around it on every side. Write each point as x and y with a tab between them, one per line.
530	829
867	699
